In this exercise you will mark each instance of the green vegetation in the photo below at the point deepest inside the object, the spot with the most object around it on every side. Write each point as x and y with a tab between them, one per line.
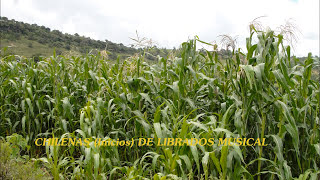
13	166
263	93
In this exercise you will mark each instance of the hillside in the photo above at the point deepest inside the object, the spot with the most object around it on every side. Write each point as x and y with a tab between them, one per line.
32	40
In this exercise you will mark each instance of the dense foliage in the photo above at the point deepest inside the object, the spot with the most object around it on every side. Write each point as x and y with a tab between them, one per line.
263	93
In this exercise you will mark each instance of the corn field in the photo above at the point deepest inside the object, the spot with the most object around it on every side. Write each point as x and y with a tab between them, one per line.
264	92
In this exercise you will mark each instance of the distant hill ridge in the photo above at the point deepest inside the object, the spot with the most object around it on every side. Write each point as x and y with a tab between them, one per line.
32	39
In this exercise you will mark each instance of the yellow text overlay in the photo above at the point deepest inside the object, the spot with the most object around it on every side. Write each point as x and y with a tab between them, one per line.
151	142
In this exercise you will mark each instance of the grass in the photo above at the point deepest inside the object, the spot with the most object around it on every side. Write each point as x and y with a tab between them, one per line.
28	48
261	93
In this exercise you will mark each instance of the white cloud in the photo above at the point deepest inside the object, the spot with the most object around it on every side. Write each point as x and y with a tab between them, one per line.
169	22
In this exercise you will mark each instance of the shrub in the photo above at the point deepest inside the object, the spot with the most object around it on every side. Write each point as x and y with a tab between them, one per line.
13	166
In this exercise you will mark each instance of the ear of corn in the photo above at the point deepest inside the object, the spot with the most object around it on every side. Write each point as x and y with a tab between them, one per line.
264	93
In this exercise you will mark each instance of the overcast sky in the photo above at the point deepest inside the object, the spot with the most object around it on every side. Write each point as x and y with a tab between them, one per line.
169	22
